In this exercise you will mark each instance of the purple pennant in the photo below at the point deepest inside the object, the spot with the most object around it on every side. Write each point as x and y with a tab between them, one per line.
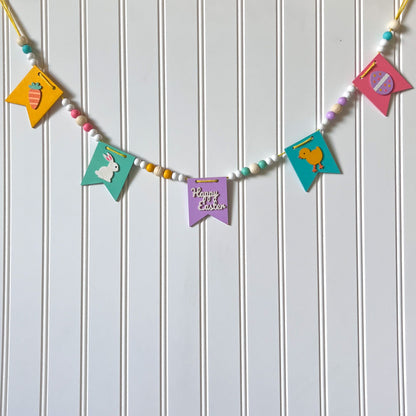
207	196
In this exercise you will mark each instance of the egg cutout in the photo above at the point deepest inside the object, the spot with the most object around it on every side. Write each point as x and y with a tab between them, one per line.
381	82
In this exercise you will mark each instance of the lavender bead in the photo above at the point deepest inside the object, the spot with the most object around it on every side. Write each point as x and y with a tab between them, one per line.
330	115
342	100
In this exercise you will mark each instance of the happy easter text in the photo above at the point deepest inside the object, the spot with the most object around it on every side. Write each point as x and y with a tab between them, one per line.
209	200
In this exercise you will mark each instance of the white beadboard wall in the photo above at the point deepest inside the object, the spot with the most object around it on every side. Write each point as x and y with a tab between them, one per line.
304	305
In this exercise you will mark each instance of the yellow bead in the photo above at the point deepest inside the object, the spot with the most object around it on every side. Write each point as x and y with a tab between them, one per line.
254	168
167	174
81	120
158	171
336	108
150	167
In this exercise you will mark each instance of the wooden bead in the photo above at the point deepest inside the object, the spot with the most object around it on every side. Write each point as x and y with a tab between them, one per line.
75	113
254	168
393	25
336	108
81	120
262	164
87	127
167	174
245	171
150	167
158	171
22	40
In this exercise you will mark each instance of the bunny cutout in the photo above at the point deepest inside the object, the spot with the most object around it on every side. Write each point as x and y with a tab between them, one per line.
107	172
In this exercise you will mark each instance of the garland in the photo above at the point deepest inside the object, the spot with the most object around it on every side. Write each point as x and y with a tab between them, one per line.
208	196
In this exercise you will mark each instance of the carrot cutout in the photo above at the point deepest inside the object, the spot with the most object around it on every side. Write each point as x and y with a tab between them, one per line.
35	94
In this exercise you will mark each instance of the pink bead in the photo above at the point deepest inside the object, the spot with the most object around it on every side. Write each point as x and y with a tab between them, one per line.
342	100
87	126
75	113
330	115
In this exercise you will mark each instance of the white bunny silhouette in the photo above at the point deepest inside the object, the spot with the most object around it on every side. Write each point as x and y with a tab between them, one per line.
107	172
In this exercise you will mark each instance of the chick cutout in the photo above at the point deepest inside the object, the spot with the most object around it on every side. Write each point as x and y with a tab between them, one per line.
309	157
109	166
313	157
37	92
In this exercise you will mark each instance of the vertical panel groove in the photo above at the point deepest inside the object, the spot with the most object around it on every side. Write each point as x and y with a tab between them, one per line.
203	225
359	196
241	204
163	215
281	216
44	359
84	336
320	223
5	345
400	282
124	204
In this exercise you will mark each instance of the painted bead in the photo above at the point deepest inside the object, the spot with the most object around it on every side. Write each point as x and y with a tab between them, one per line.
262	164
167	174
26	48
150	167
75	113
87	127
81	120
336	108
330	115
65	102
254	168
393	25
245	171
231	176
174	176
387	36
342	101
143	164
158	171
137	161
22	40
70	107
269	161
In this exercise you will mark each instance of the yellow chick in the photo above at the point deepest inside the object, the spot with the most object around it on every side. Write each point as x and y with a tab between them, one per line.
313	157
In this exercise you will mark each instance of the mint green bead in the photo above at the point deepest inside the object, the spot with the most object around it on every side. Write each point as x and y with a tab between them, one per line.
262	164
387	35
26	49
245	171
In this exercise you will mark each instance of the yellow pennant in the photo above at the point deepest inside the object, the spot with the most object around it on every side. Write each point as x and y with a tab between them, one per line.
37	93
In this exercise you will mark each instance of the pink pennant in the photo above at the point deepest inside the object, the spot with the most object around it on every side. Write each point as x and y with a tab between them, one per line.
378	80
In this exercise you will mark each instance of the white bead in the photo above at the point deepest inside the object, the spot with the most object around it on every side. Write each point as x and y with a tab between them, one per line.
231	176
93	132
174	176
136	161
351	88
238	174
65	102
97	137
31	55
181	178
383	42
324	121
143	164
70	107
274	157
380	48
22	40
33	62
393	25
269	161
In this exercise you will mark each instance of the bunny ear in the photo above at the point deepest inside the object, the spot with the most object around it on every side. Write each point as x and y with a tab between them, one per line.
108	157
